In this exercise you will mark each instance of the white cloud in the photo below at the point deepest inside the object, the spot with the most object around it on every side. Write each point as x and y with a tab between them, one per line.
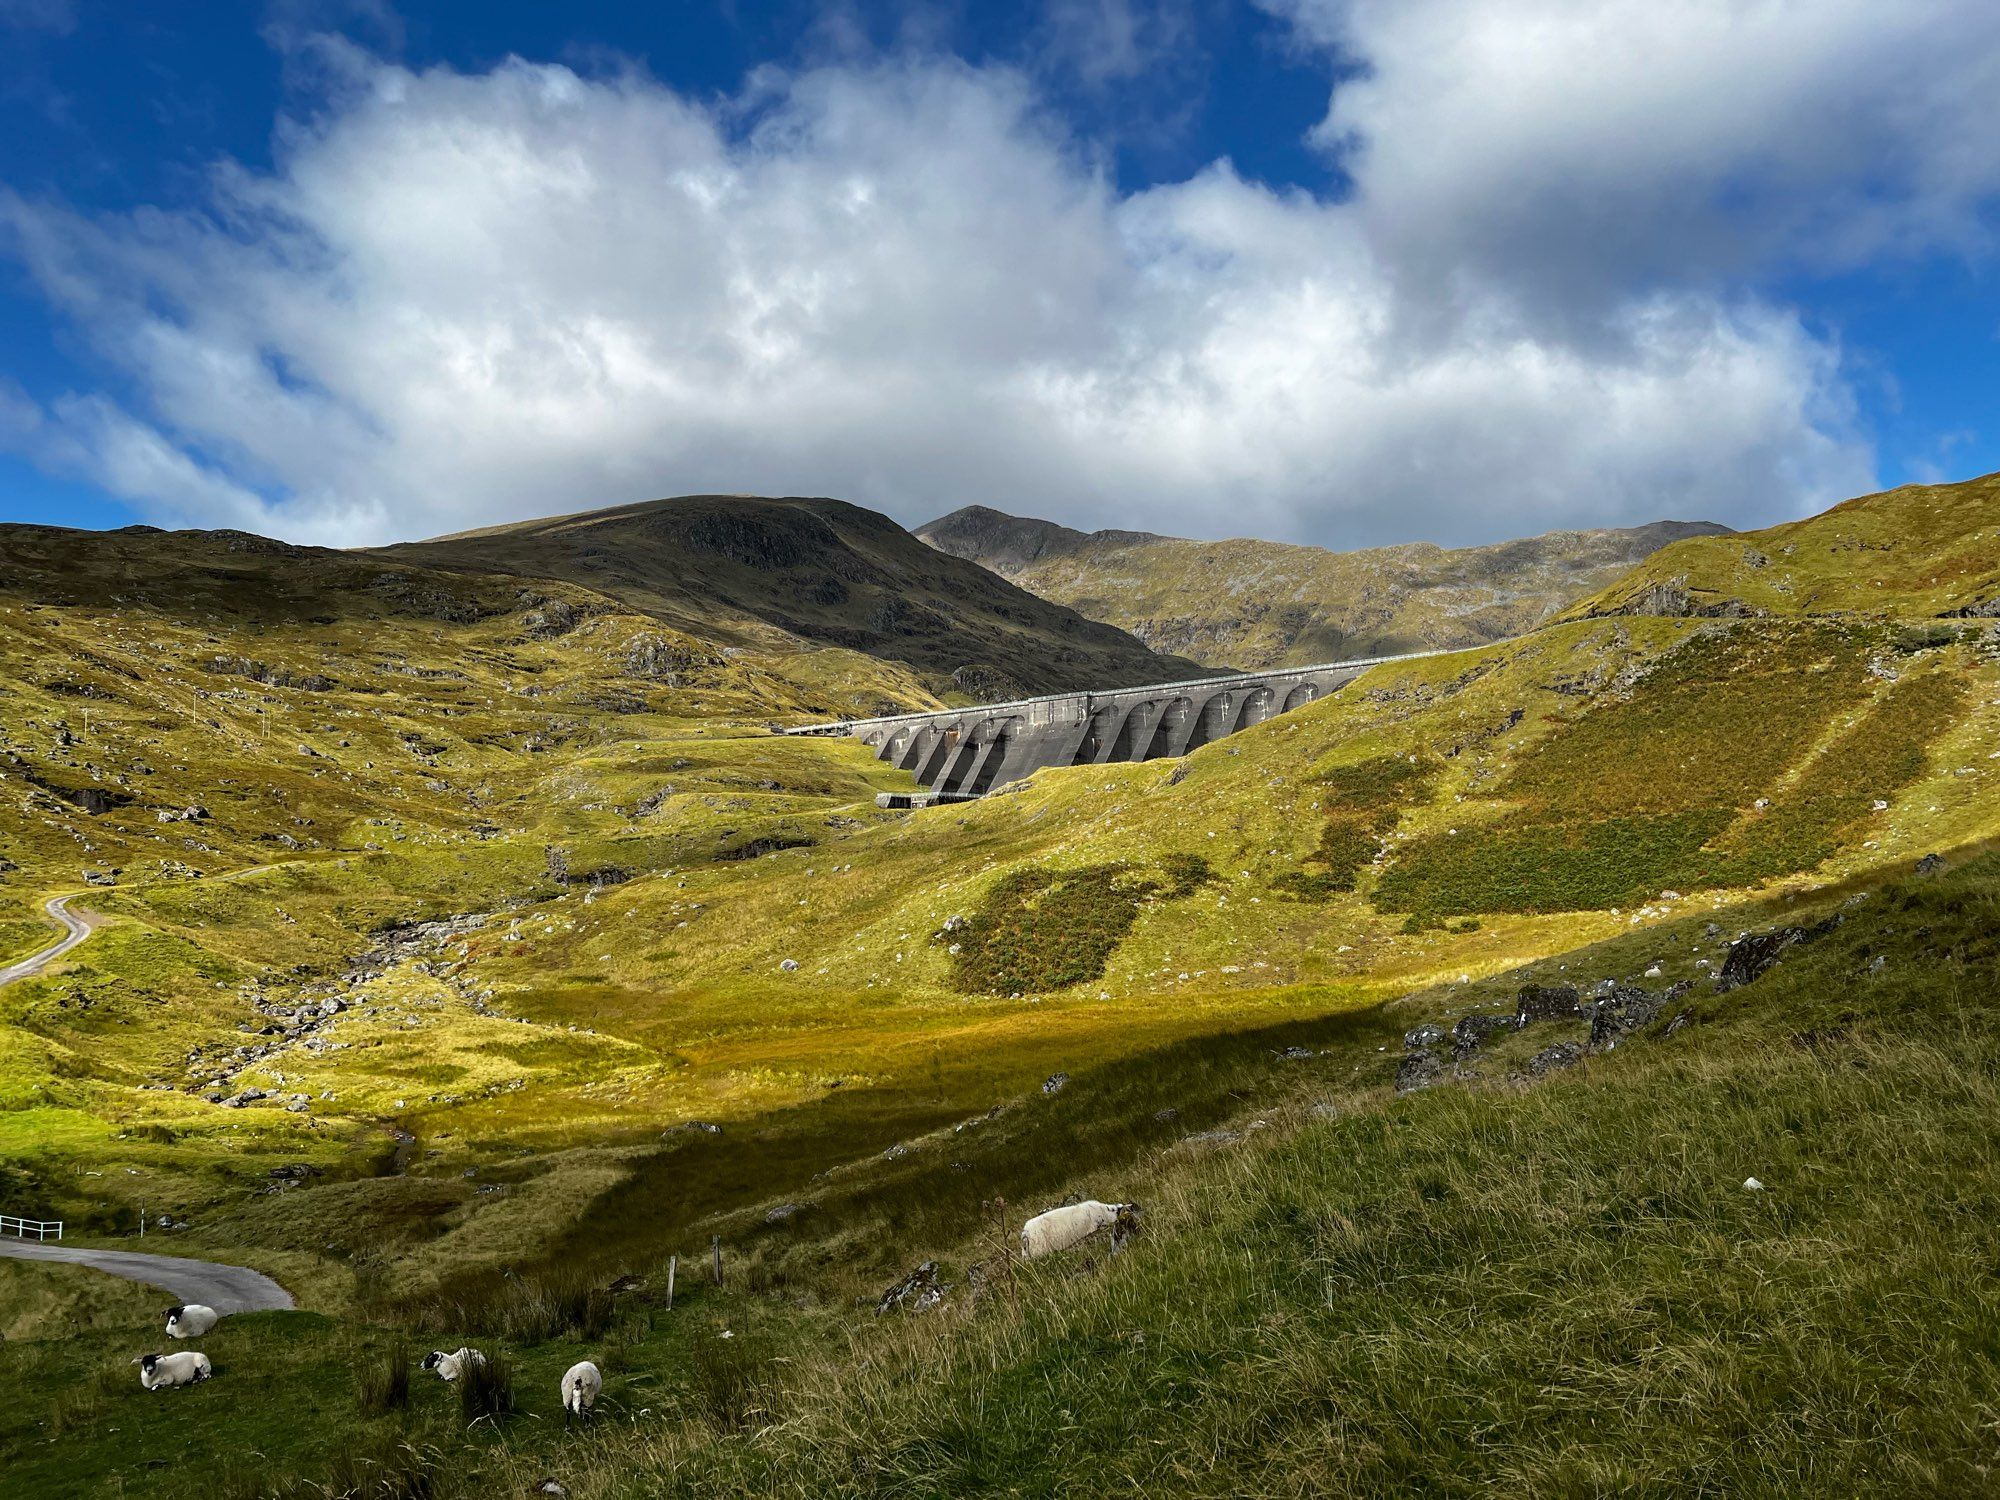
1574	146
465	298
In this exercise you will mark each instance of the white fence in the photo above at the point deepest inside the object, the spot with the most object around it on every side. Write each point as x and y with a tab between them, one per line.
31	1229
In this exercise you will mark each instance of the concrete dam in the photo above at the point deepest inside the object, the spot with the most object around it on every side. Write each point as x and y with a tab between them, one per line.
961	753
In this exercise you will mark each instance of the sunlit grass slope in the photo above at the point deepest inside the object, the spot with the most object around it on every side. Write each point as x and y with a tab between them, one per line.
1923	551
653	911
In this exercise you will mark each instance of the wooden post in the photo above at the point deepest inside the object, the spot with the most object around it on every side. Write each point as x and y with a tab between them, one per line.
673	1261
1006	1254
715	1257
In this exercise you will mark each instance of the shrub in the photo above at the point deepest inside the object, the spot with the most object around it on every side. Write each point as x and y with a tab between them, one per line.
1363	803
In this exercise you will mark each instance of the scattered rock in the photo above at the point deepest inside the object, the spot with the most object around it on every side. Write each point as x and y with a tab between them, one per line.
93	876
1212	1138
1471	1032
1625	1010
1930	864
697	1127
1754	953
1055	1083
1419	1071
1549	1059
1430	1034
789	966
1753	1185
1554	1002
1294	1054
916	1292
782	1212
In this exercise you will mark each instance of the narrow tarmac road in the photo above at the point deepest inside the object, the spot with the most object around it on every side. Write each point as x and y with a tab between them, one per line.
76	927
227	1289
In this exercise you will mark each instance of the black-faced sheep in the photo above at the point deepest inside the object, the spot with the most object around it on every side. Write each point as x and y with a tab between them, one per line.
158	1371
580	1387
191	1320
451	1366
1061	1228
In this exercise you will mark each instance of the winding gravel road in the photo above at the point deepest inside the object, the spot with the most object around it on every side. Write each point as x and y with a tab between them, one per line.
227	1289
76	927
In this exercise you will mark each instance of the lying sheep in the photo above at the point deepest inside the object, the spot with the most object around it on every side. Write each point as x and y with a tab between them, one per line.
1060	1228
451	1366
191	1320
158	1371
580	1386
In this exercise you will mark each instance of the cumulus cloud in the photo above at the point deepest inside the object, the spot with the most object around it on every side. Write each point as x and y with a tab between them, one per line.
1574	147
462	298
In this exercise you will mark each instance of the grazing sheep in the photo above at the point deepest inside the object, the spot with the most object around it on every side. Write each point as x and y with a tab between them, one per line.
579	1390
158	1371
191	1320
451	1366
1060	1228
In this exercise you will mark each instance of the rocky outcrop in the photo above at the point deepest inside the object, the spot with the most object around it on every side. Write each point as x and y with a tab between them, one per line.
1754	954
1672	598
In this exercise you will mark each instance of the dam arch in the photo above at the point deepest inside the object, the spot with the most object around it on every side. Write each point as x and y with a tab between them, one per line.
961	753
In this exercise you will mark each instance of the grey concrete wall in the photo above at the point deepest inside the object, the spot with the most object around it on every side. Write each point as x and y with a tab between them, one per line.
969	751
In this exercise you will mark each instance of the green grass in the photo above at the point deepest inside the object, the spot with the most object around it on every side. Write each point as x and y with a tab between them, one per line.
1042	929
1667	787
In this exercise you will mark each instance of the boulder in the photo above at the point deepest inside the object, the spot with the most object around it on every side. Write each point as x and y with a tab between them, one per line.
1754	954
1471	1032
1419	1071
1055	1083
1625	1010
1550	1059
1553	1002
916	1292
1430	1034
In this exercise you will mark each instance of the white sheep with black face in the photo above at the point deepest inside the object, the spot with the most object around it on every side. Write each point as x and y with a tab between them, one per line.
1062	1228
187	1367
581	1384
451	1366
191	1320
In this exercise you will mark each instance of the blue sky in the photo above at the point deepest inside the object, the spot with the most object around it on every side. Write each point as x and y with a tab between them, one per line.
1339	271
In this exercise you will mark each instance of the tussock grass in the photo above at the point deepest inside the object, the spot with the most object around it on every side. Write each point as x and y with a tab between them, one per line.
530	1309
486	1390
382	1380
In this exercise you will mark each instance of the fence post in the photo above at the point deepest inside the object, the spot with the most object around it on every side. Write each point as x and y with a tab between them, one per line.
715	1257
673	1263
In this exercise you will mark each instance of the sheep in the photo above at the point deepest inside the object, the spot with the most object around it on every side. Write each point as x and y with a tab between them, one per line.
580	1386
451	1366
1060	1228
158	1371
191	1320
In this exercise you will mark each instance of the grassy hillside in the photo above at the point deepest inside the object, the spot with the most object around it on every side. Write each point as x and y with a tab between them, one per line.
474	944
1257	604
1337	1290
774	573
1923	551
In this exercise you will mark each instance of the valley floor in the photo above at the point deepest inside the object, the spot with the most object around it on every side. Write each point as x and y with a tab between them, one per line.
1560	1286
